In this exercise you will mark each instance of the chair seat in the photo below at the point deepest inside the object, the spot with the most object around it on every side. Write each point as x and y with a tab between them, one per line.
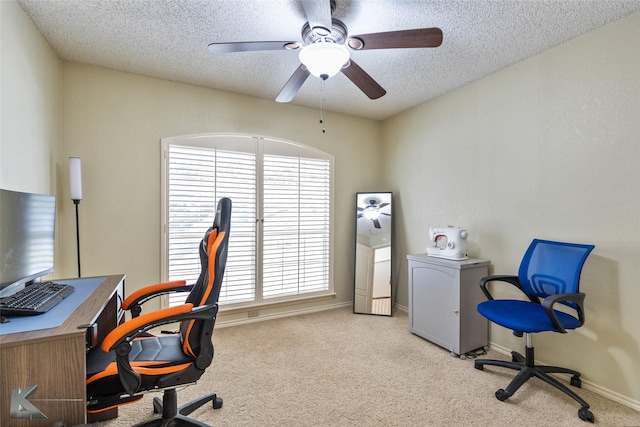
153	353
524	316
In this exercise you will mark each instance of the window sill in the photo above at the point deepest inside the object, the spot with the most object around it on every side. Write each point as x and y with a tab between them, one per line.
283	302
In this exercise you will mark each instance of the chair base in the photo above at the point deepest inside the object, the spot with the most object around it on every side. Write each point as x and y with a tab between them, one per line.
527	369
171	415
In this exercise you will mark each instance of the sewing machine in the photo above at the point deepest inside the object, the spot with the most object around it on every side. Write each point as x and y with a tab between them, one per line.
448	242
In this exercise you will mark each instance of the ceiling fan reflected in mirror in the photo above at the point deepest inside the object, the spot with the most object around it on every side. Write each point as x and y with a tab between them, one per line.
372	211
326	47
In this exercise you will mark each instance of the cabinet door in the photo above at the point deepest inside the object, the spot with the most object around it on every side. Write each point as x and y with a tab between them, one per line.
435	305
473	326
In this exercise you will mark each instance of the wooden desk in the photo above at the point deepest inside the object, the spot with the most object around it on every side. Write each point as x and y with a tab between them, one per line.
54	359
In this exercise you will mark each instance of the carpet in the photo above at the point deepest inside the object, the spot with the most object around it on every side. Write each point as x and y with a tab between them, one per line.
334	368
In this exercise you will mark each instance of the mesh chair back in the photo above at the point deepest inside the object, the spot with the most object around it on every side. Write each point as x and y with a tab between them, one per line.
550	268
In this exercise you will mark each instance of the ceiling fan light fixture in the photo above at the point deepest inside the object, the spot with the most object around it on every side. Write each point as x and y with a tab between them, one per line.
324	59
371	212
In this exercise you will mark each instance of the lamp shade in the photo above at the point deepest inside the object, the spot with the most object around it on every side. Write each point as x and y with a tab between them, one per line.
75	178
324	59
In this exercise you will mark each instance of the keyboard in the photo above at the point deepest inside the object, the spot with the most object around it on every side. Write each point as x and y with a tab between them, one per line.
34	299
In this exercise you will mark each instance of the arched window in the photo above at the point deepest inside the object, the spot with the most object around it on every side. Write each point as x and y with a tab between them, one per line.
280	245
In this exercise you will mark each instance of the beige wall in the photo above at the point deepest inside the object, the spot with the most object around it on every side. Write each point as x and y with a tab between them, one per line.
29	108
546	148
30	111
114	122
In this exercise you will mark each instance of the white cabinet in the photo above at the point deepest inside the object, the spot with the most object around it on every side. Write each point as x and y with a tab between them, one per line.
443	295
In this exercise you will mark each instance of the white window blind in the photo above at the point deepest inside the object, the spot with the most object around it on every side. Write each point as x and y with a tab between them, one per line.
296	225
280	240
198	178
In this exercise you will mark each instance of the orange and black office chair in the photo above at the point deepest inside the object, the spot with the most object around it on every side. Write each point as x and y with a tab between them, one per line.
549	277
130	361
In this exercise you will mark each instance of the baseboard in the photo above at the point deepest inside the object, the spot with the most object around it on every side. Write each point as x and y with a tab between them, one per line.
290	313
401	307
233	322
609	394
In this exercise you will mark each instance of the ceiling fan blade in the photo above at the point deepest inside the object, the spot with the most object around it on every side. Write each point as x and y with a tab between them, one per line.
382	205
421	37
364	81
251	46
376	223
319	15
293	84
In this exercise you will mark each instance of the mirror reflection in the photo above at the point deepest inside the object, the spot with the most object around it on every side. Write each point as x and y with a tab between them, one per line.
372	287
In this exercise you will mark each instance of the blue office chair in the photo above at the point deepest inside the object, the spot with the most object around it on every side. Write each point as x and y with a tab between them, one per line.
549	274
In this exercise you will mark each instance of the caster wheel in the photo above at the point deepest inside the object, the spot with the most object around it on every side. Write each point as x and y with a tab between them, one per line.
576	381
217	403
502	395
586	415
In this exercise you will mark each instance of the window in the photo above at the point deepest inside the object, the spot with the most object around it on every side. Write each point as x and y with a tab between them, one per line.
280	245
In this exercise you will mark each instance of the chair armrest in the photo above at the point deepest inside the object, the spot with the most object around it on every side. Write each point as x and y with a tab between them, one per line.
136	326
576	298
134	301
512	280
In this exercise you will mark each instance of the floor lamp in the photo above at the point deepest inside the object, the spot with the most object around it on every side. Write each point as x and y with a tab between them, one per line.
75	187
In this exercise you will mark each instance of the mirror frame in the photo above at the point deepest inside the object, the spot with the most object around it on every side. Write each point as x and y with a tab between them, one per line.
372	292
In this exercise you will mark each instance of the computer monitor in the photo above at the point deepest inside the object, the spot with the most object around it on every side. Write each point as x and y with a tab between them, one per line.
27	238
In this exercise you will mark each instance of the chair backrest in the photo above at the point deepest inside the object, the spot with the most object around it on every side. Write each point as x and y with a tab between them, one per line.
206	290
550	268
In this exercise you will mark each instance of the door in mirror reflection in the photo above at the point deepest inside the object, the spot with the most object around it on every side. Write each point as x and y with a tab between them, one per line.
372	287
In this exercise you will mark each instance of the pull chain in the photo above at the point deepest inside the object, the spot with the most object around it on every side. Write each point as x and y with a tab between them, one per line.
322	105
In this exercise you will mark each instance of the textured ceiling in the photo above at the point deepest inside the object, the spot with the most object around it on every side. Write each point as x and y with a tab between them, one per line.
168	40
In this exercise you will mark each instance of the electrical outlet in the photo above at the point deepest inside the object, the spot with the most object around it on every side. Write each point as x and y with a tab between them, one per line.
254	313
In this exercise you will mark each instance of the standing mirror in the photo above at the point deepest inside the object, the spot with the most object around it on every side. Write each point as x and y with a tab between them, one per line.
372	287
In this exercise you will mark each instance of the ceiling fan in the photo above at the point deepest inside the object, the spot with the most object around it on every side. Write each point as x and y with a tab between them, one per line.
325	49
372	211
